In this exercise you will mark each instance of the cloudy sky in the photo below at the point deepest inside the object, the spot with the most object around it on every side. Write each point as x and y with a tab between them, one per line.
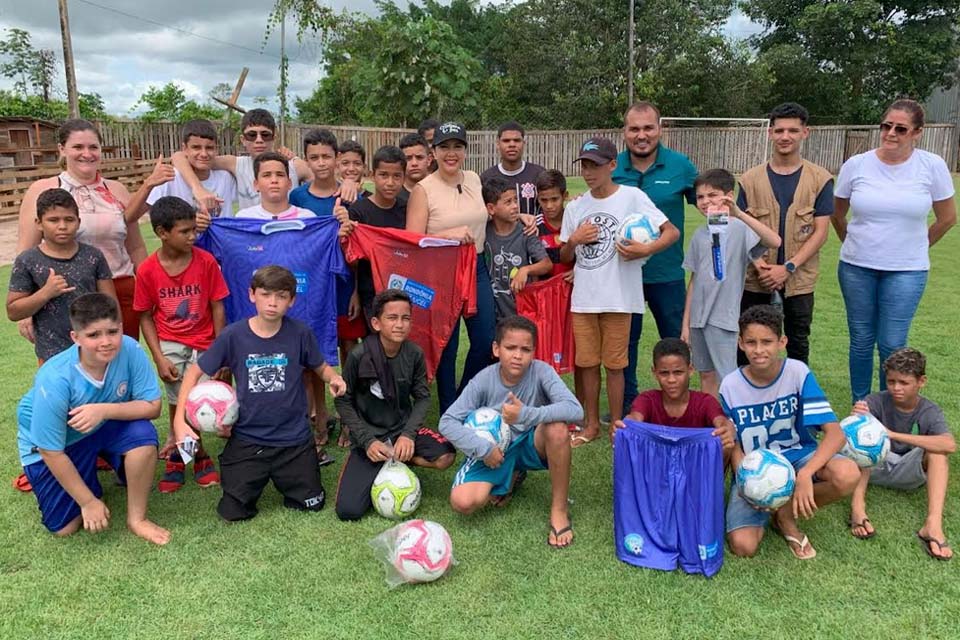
121	47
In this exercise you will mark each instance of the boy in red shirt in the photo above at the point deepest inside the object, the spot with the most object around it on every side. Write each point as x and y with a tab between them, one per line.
674	404
180	293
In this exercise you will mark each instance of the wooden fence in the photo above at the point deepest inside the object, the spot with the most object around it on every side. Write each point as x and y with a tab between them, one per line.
733	148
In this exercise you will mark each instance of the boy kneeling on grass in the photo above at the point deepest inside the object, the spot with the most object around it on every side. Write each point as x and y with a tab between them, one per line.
97	397
920	446
538	406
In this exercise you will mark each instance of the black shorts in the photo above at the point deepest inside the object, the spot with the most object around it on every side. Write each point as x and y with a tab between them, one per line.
358	473
246	467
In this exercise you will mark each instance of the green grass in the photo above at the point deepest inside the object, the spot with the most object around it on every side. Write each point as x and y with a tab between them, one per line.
293	575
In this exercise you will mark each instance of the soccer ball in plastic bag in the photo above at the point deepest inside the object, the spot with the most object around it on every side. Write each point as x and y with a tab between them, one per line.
867	440
396	491
766	479
212	405
490	426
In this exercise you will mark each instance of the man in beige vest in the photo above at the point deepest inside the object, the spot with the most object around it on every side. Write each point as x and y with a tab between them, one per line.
795	198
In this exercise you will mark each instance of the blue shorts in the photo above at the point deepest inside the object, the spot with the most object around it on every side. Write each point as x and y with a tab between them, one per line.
739	512
521	455
668	498
113	439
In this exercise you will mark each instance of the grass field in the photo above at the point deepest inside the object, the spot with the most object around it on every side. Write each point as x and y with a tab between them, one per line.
294	575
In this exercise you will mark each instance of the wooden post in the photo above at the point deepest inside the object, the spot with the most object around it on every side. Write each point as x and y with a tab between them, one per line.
72	98
630	69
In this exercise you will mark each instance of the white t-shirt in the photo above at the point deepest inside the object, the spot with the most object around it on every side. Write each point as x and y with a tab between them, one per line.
259	213
603	281
889	204
219	182
246	194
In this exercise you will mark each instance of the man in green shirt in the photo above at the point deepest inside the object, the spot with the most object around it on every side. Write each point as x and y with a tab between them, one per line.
666	176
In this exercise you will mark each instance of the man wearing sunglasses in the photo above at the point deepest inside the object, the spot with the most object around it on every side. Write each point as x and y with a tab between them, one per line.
794	197
666	176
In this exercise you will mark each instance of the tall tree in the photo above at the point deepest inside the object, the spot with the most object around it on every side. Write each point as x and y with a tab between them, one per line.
169	102
847	60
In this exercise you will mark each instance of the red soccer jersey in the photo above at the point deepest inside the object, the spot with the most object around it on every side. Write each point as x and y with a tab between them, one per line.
702	409
550	239
547	305
181	304
439	277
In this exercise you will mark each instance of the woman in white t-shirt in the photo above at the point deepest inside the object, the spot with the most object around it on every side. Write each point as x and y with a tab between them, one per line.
884	258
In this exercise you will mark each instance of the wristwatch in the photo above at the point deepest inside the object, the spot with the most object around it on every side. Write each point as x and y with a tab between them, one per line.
790	267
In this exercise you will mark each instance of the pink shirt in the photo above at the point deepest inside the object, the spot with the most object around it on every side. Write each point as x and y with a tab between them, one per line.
101	221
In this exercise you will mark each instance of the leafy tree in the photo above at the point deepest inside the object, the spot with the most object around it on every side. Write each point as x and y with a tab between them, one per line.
169	102
847	60
14	104
26	66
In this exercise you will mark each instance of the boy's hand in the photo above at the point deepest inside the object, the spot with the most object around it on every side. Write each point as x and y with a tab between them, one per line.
727	434
731	205
685	334
860	408
87	417
340	212
181	430
55	286
586	233
403	449
803	503
169	446
161	174
203	221
378	451
529	223
519	281
353	310
96	516
337	386
494	459
568	276
167	370
206	201
287	154
633	249
349	190
511	409
346	228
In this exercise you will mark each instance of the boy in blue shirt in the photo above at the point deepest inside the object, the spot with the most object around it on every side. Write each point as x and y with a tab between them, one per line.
776	403
96	397
268	355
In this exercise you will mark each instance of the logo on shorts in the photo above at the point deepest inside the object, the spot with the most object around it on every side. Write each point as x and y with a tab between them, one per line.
122	389
708	551
597	254
633	543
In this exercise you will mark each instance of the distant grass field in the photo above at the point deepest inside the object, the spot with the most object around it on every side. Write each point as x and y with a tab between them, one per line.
293	575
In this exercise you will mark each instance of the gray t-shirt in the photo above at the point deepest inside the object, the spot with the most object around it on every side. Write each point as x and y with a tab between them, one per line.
504	255
51	324
717	302
926	420
544	396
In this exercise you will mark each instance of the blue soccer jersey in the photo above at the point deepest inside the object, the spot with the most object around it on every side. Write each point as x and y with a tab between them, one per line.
307	247
62	384
781	416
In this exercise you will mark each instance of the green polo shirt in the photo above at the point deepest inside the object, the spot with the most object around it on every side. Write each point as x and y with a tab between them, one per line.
667	182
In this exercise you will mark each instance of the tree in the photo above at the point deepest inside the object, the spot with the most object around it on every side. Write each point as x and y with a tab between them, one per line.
169	102
26	66
845	61
14	104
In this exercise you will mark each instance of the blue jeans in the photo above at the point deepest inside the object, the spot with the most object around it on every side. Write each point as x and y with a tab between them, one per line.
666	301
880	307
480	328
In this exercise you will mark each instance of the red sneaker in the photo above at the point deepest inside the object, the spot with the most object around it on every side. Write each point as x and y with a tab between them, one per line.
20	483
172	477
205	473
103	465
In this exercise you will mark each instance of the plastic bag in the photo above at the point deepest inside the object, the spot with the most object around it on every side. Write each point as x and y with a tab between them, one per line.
414	551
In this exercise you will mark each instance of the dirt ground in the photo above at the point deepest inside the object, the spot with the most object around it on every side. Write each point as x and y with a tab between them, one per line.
8	240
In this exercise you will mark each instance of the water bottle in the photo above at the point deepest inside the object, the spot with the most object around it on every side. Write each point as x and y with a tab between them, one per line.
776	300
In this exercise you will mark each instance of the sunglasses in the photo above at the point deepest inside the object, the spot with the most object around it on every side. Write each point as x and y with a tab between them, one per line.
250	136
899	129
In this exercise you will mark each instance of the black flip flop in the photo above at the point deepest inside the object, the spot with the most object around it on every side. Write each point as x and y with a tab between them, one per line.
926	541
557	533
862	525
324	458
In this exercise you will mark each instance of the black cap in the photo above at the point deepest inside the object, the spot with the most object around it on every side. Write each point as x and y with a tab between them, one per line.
449	131
599	150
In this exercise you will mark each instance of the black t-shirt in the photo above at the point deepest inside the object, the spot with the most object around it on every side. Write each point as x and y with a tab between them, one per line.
404	195
365	211
525	182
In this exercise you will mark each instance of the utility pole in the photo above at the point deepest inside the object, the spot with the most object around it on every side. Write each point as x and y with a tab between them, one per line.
72	99
283	79
630	69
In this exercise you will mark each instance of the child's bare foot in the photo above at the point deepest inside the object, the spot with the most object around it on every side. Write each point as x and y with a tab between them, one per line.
798	542
860	525
935	542
344	439
561	530
515	482
149	531
321	431
586	436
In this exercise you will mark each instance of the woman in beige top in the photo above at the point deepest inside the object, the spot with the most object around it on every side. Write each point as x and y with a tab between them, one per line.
102	204
448	204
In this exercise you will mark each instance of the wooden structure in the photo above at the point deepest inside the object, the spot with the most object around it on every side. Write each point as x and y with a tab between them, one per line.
27	141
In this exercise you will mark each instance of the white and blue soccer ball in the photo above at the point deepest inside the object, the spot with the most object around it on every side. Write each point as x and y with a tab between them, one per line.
395	491
766	479
636	227
490	425
867	440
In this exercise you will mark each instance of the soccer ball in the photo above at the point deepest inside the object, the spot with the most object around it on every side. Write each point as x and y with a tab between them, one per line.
396	491
637	227
423	551
867	440
490	426
212	404
766	479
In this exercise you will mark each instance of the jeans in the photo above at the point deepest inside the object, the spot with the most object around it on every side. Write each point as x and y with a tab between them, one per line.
666	301
880	307
480	328
797	318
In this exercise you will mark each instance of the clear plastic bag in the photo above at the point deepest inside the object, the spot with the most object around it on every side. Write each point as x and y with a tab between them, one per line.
414	551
